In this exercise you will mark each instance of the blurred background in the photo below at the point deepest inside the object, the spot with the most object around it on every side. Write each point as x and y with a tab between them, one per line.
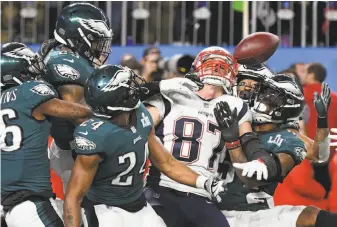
179	30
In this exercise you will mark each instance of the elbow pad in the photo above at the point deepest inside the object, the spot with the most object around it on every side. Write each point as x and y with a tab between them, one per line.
254	150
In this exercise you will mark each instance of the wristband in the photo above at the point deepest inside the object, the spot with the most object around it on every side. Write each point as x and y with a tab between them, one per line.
200	182
233	145
322	122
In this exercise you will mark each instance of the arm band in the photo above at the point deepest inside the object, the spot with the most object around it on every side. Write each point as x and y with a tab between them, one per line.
322	122
253	150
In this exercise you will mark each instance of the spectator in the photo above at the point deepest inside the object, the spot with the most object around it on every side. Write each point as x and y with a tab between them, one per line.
309	183
177	66
300	70
150	71
316	74
131	62
304	118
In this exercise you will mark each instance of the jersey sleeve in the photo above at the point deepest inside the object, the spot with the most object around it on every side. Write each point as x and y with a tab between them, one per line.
242	108
293	146
36	93
88	140
66	69
157	101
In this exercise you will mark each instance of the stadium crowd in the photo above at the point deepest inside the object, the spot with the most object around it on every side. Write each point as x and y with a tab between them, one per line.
182	141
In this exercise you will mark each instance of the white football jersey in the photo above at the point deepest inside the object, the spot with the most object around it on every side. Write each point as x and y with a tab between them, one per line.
189	131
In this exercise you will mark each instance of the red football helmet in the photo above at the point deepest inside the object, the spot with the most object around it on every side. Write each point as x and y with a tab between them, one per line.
216	66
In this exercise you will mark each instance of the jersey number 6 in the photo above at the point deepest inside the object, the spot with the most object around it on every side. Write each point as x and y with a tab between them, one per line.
10	131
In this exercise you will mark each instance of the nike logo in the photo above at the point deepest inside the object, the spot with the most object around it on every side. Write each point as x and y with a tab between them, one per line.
137	139
71	61
84	133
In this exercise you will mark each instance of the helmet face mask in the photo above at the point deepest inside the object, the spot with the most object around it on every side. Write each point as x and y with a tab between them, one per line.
215	66
247	89
249	80
268	100
100	51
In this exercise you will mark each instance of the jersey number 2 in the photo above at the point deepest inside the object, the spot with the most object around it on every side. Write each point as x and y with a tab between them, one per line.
14	130
125	178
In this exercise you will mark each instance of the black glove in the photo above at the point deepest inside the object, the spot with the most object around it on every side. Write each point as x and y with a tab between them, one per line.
194	77
149	89
46	47
322	103
227	121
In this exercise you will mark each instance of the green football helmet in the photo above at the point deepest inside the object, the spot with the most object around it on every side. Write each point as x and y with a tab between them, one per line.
18	64
86	30
112	89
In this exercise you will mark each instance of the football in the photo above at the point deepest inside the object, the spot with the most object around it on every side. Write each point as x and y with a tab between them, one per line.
256	48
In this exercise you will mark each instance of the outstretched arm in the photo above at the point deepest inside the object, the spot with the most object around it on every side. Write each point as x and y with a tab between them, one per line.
178	171
62	109
168	165
82	175
321	143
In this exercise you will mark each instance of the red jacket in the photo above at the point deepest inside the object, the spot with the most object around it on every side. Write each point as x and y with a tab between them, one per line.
300	188
309	91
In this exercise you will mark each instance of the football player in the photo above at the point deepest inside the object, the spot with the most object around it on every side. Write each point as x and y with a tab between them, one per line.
82	42
26	104
187	126
275	101
112	149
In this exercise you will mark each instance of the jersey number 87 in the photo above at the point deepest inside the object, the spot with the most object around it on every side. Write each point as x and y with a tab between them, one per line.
189	131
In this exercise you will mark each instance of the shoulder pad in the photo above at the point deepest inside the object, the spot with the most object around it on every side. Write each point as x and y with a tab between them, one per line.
90	136
64	67
289	143
174	86
36	92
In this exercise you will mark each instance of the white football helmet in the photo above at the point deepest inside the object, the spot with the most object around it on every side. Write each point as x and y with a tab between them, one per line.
258	73
216	66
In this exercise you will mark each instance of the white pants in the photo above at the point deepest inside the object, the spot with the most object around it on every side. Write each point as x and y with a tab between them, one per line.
61	161
34	214
278	216
117	217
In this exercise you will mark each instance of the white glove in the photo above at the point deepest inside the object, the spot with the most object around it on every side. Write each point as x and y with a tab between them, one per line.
333	137
211	185
178	83
249	168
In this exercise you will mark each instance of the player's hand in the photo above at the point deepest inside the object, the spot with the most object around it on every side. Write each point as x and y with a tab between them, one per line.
322	102
214	187
250	168
227	121
333	137
194	78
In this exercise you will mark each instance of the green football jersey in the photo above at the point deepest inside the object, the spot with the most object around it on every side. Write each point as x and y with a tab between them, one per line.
24	157
239	197
65	67
119	178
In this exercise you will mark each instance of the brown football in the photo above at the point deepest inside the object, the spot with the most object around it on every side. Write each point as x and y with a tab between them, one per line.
256	48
